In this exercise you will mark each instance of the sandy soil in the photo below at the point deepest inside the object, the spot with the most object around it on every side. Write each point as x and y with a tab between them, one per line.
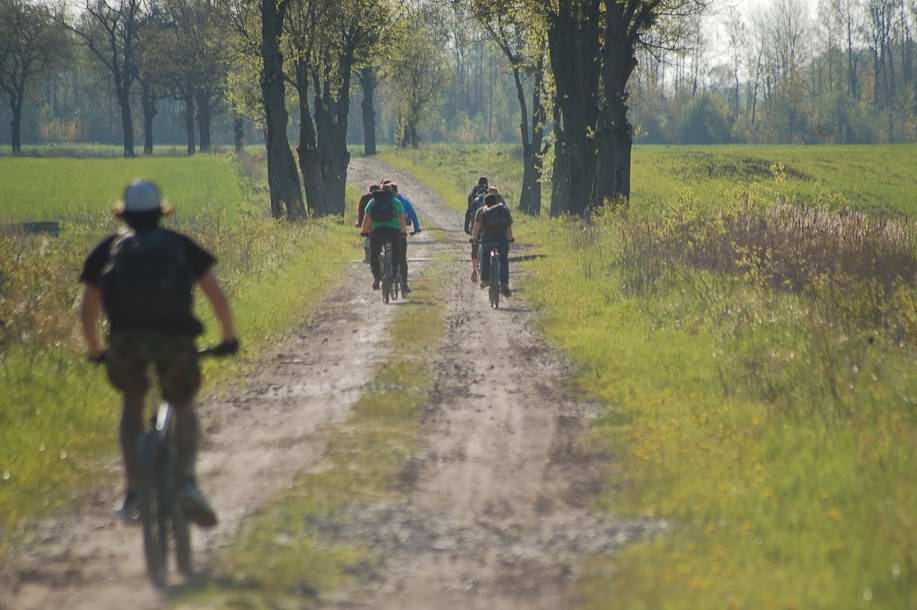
495	511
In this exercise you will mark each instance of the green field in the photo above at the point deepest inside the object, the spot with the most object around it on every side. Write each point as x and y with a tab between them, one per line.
79	189
57	414
764	408
863	177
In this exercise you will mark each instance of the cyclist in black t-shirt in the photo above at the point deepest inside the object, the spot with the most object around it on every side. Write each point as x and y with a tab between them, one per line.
143	277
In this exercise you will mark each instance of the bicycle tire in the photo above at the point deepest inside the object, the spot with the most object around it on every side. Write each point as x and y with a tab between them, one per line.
153	521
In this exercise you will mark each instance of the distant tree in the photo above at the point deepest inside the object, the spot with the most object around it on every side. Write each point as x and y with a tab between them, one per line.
329	42
110	30
32	44
737	40
523	45
419	73
283	179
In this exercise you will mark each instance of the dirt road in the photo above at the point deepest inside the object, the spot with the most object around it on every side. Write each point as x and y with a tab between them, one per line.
497	515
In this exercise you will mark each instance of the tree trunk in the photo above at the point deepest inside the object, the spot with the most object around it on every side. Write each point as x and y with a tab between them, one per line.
283	179
309	162
573	39
189	122
238	133
203	120
127	122
331	115
148	100
539	149
16	124
368	82
614	134
528	152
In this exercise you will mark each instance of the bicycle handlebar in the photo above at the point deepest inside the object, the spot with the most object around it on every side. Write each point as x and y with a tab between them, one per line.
222	349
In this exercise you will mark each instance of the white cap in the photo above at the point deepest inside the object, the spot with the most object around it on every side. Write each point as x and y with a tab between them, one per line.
141	196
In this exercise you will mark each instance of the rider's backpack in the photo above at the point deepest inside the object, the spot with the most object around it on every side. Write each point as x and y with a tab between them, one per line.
495	218
382	209
148	283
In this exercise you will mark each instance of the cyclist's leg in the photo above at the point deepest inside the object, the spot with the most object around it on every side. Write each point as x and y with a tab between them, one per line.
375	249
485	261
180	379
126	365
474	261
404	260
397	253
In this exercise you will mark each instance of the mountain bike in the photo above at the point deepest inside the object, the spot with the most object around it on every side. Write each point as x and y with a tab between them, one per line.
494	279
496	267
161	513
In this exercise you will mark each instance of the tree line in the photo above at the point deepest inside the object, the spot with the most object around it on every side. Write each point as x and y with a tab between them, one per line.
845	74
574	82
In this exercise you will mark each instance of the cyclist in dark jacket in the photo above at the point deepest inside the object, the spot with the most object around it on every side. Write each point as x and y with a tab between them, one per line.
493	227
479	190
361	210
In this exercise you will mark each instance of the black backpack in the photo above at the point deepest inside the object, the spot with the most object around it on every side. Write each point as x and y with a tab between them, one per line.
383	209
148	282
495	218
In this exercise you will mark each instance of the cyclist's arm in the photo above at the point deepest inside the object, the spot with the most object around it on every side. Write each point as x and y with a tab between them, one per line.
210	286
404	225
476	231
412	214
90	306
367	224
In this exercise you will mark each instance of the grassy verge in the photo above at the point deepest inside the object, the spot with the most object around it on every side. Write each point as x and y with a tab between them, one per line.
772	425
281	559
57	414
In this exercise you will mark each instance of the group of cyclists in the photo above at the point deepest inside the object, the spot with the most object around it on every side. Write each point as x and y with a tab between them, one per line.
143	278
384	214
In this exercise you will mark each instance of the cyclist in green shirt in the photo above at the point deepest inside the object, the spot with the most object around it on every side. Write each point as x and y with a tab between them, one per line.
384	222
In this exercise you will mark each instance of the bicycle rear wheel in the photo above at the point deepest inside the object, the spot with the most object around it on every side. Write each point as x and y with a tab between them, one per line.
494	281
153	511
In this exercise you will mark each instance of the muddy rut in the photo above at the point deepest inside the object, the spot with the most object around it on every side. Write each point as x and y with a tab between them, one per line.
494	511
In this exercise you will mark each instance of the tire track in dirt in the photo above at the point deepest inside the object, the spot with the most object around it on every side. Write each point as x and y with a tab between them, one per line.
259	433
497	512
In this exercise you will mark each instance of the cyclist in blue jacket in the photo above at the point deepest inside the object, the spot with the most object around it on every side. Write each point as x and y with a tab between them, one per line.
412	219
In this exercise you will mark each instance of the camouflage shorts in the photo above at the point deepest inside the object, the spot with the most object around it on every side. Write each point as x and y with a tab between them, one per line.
131	355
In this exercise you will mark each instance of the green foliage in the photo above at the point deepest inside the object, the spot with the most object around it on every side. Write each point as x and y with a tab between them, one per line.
771	430
704	120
